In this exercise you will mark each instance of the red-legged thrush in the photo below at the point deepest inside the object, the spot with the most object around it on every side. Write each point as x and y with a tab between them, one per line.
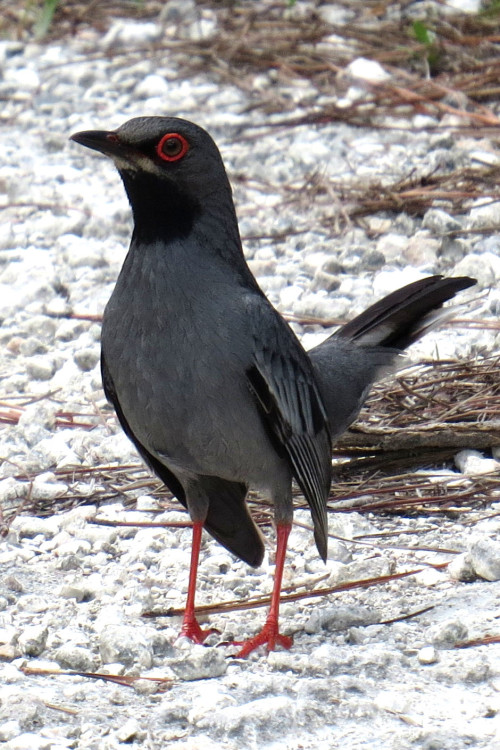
207	379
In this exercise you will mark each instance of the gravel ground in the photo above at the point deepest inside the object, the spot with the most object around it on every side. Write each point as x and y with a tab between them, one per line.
71	592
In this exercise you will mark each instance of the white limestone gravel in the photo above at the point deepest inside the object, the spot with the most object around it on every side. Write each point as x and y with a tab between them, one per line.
72	593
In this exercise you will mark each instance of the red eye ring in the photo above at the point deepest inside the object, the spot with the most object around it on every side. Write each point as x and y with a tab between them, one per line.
177	142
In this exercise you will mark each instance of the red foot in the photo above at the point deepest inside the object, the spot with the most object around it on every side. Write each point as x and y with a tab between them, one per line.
268	635
192	630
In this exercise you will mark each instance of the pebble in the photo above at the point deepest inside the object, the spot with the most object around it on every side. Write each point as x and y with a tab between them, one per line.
430	577
74	657
41	367
129	731
386	282
45	487
422	250
128	34
33	603
150	86
485	558
86	359
9	730
448	633
76	591
270	715
32	526
473	463
12	489
199	663
32	641
484	215
479	267
7	651
439	222
393	701
427	655
461	568
368	70
324	280
126	645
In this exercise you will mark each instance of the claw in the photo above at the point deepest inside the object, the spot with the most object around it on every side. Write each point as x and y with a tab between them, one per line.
268	635
191	629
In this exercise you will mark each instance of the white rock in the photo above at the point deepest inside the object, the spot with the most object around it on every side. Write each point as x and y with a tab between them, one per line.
342	618
41	413
9	730
448	633
485	267
40	367
43	488
473	463
31	526
430	577
275	713
466	6
367	70
81	251
10	674
11	489
486	213
126	645
128	731
147	503
422	250
88	358
32	640
77	591
439	221
289	295
485	558
25	79
29	741
70	656
131	33
33	603
388	281
151	86
77	547
334	14
200	663
461	569
428	655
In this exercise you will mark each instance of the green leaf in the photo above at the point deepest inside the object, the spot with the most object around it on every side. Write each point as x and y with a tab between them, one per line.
45	19
421	33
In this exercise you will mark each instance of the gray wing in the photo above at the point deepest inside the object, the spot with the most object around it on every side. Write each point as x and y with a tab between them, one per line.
282	380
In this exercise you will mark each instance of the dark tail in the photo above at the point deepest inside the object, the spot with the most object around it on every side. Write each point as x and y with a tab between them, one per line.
405	315
352	358
229	520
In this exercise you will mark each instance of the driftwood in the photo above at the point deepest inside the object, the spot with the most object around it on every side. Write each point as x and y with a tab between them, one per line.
480	436
431	405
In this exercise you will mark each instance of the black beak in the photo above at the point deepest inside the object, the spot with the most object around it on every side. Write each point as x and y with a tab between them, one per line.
104	141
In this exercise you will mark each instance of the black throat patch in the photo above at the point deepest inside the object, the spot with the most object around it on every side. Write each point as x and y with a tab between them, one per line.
162	211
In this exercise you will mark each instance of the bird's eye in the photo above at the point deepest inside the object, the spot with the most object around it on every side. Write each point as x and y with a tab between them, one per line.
172	147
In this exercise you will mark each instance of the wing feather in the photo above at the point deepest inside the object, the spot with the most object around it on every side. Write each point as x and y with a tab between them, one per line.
282	379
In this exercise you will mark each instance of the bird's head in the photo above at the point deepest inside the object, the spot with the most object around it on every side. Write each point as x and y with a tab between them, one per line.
171	169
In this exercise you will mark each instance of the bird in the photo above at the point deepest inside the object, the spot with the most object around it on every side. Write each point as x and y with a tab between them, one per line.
207	379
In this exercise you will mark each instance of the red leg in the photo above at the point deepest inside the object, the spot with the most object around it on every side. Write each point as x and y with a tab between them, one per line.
270	634
190	625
